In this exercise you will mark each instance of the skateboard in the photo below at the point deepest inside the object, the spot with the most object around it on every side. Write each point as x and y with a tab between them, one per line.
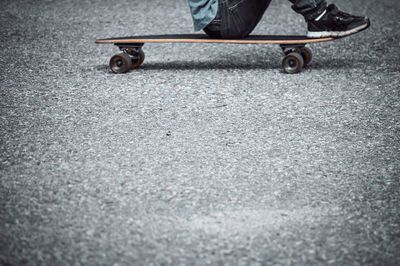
296	54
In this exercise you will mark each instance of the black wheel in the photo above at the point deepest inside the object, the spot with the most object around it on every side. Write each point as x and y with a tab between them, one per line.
138	61
120	63
293	63
307	55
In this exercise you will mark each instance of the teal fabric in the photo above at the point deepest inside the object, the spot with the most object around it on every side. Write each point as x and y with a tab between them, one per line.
203	12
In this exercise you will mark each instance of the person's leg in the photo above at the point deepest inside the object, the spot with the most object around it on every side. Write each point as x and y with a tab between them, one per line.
214	28
310	9
237	18
242	16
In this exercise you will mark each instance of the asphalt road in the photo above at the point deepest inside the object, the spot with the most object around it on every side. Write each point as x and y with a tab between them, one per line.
208	155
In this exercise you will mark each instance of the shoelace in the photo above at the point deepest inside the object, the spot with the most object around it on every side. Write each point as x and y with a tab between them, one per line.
336	12
343	14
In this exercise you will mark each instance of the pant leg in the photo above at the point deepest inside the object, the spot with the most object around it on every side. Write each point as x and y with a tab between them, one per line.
237	18
310	9
214	28
243	17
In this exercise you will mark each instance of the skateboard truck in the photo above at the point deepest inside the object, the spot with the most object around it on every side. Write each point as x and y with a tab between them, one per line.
130	48
288	48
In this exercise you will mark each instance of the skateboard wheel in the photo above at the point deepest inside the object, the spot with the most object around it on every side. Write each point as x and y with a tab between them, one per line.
293	63
120	63
307	55
138	61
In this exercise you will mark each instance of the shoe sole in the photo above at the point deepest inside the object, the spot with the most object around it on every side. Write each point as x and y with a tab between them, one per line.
337	34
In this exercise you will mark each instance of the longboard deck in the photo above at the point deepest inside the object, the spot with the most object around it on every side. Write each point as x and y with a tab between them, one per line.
202	38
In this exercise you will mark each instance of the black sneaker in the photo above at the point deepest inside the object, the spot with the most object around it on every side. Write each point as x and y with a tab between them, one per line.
335	23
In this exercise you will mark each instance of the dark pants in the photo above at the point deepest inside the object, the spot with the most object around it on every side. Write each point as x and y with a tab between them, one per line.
238	18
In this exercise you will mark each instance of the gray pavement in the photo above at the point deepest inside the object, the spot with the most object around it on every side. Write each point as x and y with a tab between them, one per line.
208	155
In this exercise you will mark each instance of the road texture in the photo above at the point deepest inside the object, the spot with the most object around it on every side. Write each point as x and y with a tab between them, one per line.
208	155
